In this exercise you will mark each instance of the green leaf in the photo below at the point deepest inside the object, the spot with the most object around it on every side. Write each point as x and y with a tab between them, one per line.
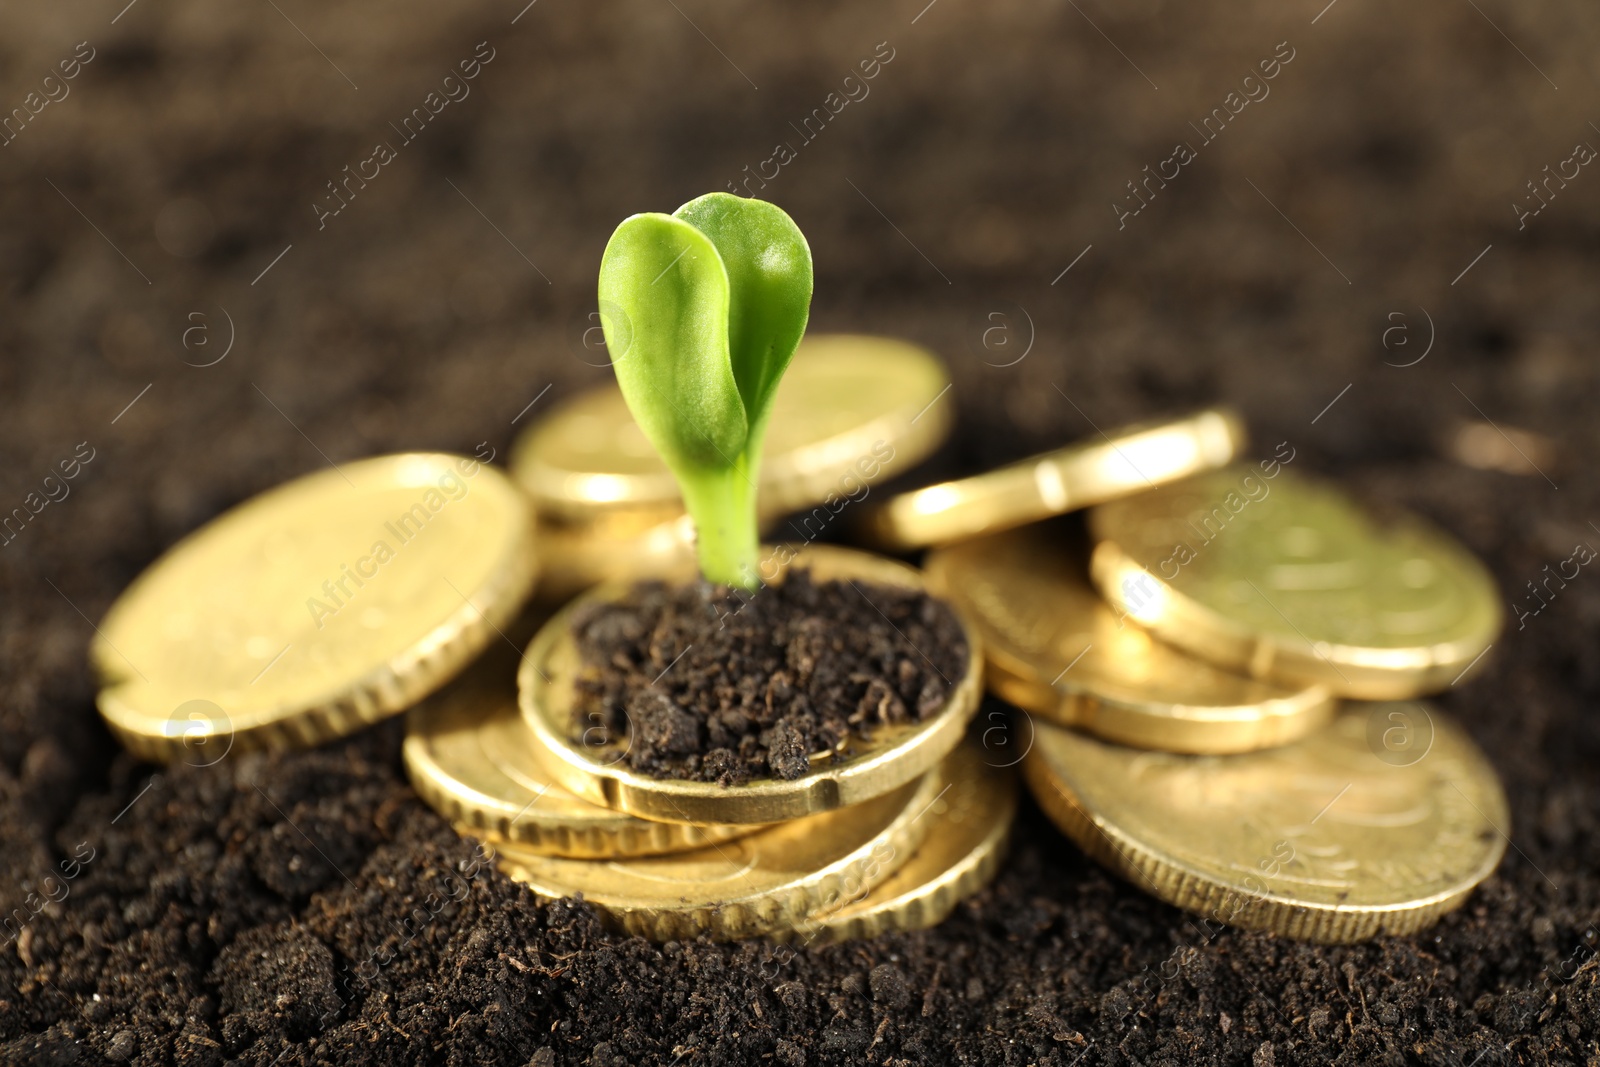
769	274
702	312
664	299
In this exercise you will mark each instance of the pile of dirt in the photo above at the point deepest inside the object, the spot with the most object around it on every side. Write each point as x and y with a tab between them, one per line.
711	684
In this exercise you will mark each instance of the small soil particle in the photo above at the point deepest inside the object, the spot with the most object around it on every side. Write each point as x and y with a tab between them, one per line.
702	682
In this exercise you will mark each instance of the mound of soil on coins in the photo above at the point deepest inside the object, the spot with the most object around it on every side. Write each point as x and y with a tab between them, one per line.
703	682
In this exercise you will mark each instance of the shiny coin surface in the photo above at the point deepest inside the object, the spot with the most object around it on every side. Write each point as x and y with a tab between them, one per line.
970	825
1055	648
1129	460
470	756
851	410
868	768
577	555
1338	837
768	880
1287	578
307	612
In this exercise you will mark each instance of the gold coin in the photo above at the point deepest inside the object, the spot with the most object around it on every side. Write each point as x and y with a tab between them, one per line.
971	825
320	606
578	555
866	768
1343	835
470	756
1287	578
1131	460
851	410
768	880
1054	647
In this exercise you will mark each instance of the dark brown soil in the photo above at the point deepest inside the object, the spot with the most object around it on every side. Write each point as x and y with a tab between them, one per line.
707	683
226	909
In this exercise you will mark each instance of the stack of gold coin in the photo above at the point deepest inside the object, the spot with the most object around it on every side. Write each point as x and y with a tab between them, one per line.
852	411
899	860
888	835
1224	674
1202	676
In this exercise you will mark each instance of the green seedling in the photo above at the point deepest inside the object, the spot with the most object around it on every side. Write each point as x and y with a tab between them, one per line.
702	310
